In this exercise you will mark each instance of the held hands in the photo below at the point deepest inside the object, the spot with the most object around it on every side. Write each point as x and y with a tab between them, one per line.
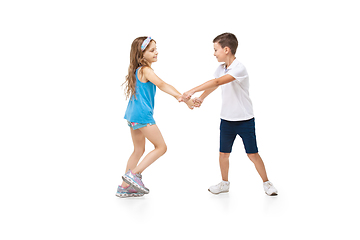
187	95
191	103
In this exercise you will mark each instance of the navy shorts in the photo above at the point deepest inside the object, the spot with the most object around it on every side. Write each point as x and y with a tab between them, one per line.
245	129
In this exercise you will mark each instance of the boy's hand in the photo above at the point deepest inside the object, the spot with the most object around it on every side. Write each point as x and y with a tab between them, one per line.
187	95
197	101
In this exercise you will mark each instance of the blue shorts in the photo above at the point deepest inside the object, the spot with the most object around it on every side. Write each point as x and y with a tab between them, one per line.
135	126
245	129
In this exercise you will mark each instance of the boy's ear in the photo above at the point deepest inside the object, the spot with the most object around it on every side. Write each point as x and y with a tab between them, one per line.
227	50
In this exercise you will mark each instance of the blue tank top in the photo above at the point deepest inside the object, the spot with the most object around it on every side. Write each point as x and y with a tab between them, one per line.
141	108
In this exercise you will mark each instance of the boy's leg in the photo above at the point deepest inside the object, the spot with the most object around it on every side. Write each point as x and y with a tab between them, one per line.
139	148
247	133
224	165
259	165
227	138
224	185
153	134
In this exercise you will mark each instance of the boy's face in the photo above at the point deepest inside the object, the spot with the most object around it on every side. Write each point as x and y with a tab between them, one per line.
219	52
151	53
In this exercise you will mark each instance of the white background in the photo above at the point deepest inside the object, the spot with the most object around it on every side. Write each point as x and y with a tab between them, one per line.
65	144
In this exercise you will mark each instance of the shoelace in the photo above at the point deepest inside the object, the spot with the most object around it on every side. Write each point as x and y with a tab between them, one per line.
140	177
268	185
221	185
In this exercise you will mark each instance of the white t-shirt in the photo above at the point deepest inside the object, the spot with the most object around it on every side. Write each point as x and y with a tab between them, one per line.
236	103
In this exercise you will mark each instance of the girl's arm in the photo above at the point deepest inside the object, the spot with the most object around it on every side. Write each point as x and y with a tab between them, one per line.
163	86
212	84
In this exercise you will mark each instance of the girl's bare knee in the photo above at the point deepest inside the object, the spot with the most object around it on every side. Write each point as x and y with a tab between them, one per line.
164	148
161	148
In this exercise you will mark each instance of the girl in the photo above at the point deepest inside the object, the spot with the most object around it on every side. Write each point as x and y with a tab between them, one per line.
140	87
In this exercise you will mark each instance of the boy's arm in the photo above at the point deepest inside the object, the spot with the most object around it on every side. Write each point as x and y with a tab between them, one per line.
212	84
207	93
199	100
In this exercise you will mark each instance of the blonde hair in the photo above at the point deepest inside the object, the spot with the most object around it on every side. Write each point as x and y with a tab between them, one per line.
136	60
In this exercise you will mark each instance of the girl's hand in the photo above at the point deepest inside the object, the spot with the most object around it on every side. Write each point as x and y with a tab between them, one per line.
190	104
181	99
197	101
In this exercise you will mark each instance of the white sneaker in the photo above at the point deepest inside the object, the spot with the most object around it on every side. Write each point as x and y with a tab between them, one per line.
222	187
270	189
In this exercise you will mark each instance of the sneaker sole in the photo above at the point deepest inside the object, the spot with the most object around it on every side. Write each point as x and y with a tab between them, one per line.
135	185
273	194
218	192
126	195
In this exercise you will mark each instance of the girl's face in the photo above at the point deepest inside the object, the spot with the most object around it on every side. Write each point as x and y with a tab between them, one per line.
151	53
219	52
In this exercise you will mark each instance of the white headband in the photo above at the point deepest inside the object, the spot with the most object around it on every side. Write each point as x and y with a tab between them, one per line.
145	43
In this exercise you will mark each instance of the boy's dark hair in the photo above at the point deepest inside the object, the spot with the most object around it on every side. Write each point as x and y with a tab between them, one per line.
227	40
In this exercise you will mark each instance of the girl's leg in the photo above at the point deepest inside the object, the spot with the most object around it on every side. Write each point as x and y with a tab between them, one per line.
259	165
139	148
224	165
153	134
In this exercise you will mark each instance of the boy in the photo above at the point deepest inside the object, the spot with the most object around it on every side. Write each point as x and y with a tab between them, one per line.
237	116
